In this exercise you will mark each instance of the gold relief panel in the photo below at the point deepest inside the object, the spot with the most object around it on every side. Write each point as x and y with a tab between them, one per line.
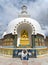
24	40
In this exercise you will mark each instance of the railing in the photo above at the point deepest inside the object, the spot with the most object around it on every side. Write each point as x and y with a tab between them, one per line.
9	51
6	52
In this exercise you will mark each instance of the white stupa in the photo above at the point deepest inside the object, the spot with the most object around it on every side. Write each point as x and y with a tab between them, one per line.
23	21
23	33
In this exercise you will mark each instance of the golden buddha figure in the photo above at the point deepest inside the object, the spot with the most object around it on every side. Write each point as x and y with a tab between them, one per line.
24	40
25	34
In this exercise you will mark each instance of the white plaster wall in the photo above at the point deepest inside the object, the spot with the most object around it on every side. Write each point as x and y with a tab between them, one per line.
15	22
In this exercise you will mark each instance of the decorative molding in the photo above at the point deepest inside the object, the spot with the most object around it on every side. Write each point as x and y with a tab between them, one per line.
22	22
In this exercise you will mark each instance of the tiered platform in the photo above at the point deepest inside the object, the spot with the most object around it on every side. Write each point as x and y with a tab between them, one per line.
13	52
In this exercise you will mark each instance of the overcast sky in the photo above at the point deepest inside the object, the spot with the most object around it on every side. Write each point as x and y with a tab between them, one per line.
9	10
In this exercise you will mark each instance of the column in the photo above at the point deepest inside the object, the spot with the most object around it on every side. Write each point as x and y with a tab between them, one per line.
15	41
33	46
33	40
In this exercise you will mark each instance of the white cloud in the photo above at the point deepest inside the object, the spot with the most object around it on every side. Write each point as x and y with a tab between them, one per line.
38	9
1	23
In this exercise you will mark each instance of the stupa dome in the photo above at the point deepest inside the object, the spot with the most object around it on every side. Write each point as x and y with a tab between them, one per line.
24	21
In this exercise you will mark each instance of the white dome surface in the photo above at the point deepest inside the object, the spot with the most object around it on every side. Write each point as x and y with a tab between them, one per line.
15	22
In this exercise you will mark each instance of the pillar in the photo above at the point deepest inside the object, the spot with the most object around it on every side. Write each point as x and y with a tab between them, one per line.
33	40
15	46
33	46
15	41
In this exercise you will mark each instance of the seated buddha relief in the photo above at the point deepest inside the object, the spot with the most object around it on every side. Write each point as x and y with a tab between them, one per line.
24	34
24	40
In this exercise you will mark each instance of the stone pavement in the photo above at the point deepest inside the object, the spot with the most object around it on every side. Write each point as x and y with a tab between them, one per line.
17	61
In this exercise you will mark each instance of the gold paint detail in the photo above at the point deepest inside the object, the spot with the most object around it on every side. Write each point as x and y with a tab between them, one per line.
24	40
